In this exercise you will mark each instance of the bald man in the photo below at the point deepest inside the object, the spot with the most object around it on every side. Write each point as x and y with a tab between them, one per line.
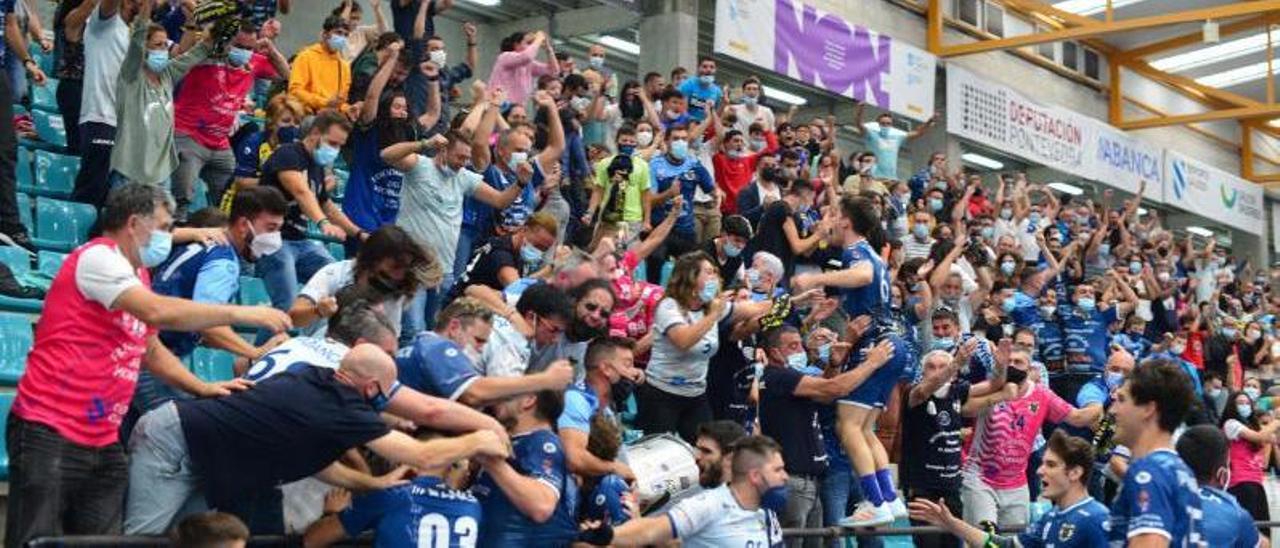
293	425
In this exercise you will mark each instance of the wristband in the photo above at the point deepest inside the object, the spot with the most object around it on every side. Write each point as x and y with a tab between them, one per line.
322	222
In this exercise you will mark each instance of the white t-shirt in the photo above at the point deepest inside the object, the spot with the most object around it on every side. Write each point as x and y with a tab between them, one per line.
332	278
681	372
431	207
746	117
507	352
713	518
1024	233
103	273
105	44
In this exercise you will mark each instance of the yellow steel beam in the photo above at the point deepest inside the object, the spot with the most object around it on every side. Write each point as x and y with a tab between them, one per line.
1269	179
1239	113
1201	132
1115	106
1246	150
1058	19
1193	38
1138	23
933	34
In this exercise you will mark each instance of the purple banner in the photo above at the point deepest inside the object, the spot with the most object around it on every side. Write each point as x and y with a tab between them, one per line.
829	53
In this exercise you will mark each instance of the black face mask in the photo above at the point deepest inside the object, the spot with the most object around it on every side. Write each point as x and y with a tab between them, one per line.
384	285
1015	376
580	331
769	174
622	390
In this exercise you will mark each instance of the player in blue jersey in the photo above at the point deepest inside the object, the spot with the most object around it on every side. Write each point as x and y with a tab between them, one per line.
1159	502
530	499
428	511
865	285
440	363
743	512
1076	520
1226	524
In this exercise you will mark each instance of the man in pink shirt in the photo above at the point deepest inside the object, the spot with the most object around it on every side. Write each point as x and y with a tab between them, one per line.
205	111
994	488
518	68
67	467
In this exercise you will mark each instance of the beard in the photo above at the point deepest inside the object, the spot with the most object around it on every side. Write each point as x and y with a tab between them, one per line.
580	330
711	478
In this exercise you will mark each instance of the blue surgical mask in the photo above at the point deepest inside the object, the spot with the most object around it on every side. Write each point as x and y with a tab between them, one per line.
626	150
1009	304
709	290
758	144
774	499
1252	392
1034	217
239	56
1006	213
1135	267
824	353
1047	311
530	254
156	250
679	149
799	360
1104	249
749	100
988	233
287	134
921	231
1087	304
940	185
944	343
1008	267
325	154
707	79
596	61
935	204
731	250
1229	332
753	278
1113	379
157	60
337	42
517	158
1244	410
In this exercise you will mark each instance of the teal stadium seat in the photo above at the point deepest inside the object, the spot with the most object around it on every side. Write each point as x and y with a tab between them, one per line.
60	225
55	174
24	212
19	262
339	253
26	181
253	292
199	196
45	60
212	365
49	262
49	127
45	97
16	339
6	403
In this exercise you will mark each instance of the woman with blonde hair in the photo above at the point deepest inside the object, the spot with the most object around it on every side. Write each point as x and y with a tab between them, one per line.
284	117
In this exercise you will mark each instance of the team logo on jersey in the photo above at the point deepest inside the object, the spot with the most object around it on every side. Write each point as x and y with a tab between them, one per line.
944	419
1065	533
1142	477
549	447
451	352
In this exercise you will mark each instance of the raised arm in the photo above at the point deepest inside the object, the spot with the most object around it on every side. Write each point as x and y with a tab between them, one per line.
481	154
434	106
922	128
857	120
405	156
826	390
555	130
73	24
371	97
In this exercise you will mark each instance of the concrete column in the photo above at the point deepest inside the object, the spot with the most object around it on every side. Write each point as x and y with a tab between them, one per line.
668	35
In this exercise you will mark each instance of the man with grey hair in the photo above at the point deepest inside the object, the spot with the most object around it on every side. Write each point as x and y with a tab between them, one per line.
764	276
931	438
100	325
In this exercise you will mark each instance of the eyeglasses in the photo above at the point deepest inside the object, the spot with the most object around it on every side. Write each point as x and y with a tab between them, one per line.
597	309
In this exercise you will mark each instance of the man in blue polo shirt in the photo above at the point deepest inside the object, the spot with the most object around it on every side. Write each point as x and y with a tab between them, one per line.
210	273
1085	329
1226	524
701	90
677	172
444	363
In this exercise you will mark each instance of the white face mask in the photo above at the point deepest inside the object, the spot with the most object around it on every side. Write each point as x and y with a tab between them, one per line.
265	244
644	138
438	57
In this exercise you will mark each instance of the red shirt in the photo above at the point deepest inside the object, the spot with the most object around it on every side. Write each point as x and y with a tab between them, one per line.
83	368
211	97
732	174
1194	352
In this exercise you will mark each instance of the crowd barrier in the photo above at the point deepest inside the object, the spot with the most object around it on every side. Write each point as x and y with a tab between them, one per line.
826	532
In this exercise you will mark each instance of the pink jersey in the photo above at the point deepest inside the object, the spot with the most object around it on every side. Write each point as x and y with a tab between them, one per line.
84	365
637	302
211	97
1005	434
1248	463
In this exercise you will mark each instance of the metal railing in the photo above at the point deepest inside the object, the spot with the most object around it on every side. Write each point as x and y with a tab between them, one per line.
294	540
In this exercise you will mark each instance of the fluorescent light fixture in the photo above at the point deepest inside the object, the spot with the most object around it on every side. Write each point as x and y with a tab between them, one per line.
1090	7
625	46
1066	188
486	3
1221	52
1200	231
786	97
1235	76
980	160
